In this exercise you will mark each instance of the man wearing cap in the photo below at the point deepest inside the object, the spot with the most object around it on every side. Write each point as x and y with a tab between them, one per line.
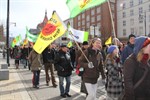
129	48
64	70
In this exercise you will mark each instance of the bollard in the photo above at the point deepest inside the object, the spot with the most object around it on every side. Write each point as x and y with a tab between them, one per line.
4	66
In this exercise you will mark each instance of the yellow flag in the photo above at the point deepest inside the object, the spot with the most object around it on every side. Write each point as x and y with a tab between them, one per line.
108	41
51	31
69	44
25	41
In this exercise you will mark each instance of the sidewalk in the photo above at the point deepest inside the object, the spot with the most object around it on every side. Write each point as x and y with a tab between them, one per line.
12	89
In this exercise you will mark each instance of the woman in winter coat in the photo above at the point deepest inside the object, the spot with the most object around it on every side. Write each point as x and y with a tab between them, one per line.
137	68
36	63
92	68
114	84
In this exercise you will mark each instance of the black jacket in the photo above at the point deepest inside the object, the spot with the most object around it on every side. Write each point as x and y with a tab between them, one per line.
48	55
63	64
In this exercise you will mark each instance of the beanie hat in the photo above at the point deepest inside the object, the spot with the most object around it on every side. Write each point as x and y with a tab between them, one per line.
140	42
111	48
131	35
85	43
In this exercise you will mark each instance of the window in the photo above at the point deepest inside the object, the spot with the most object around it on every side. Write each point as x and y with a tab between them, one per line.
93	19
124	23
87	24
98	17
131	3
83	22
140	10
124	32
79	23
123	6
112	6
131	12
88	18
93	11
141	18
98	10
124	14
79	17
131	21
132	30
140	1
140	30
83	16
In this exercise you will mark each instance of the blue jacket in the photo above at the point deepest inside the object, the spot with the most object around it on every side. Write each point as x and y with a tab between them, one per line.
126	52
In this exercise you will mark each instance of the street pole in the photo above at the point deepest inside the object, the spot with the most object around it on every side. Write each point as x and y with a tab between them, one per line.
145	22
7	33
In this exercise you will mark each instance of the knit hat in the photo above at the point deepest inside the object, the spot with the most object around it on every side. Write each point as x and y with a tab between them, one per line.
131	35
111	48
85	43
140	42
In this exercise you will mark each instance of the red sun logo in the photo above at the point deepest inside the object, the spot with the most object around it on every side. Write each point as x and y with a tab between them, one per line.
48	29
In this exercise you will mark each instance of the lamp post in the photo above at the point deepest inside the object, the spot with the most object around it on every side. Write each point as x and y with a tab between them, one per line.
7	33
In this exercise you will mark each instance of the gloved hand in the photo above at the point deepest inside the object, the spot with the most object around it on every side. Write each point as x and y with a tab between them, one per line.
90	65
103	81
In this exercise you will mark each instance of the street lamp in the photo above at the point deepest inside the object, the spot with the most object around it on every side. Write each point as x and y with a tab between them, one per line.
7	33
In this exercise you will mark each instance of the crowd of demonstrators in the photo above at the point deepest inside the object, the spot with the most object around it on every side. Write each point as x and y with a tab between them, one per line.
137	71
124	64
92	68
64	70
85	45
48	60
114	83
128	48
36	61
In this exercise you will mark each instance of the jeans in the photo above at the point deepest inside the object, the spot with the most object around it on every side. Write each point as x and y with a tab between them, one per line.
36	77
91	89
61	84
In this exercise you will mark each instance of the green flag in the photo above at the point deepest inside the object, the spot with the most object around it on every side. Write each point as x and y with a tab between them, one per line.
78	6
16	40
31	37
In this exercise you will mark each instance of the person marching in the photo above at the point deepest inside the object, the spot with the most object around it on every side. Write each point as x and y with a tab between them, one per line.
64	70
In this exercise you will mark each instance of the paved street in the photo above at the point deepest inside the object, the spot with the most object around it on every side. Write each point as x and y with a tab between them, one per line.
19	86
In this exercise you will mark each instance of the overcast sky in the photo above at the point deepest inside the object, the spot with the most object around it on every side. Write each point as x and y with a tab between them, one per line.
30	13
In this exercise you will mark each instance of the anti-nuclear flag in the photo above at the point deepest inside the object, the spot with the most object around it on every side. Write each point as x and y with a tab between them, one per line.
108	41
31	37
51	31
77	35
78	6
25	41
16	40
69	44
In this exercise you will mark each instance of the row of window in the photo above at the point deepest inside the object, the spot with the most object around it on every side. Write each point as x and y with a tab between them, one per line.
131	3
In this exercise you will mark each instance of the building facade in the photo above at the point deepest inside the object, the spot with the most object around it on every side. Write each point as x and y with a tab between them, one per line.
2	37
133	17
97	21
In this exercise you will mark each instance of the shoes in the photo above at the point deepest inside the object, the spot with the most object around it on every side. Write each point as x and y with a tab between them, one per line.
55	85
36	86
68	95
63	95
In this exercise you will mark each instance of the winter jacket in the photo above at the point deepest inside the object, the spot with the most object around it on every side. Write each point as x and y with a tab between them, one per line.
48	55
91	75
133	71
63	64
36	60
126	52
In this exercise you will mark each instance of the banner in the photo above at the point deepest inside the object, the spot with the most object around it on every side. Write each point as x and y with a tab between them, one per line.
16	40
78	6
77	35
51	31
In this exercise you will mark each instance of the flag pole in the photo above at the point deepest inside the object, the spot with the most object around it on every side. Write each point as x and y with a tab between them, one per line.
79	46
112	21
